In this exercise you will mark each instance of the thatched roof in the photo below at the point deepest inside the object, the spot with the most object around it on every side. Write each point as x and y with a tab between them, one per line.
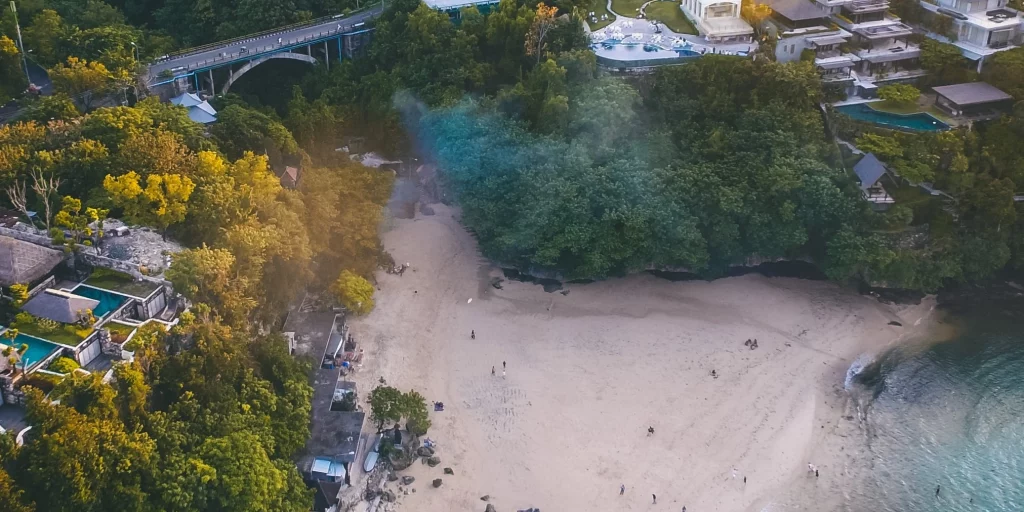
59	305
24	262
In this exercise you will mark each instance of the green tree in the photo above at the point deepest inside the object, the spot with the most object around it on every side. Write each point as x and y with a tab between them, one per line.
354	292
387	405
11	497
1005	70
44	36
944	63
416	414
18	293
206	275
72	218
81	79
56	107
899	93
79	462
11	69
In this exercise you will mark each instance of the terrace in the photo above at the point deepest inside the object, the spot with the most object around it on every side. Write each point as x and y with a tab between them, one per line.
121	282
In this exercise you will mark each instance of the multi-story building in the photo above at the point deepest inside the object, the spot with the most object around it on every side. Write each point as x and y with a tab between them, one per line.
801	25
718	20
880	40
979	28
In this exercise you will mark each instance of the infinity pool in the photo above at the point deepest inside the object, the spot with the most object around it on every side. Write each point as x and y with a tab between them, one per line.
109	301
918	122
38	349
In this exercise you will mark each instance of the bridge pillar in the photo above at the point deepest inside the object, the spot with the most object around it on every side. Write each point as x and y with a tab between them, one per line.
327	56
213	85
341	55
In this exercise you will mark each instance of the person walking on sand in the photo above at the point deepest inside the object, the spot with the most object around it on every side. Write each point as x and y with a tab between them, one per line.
622	489
503	365
492	371
815	472
650	431
472	335
655	496
937	489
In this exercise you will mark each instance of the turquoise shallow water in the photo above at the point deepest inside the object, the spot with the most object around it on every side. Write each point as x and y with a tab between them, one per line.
949	416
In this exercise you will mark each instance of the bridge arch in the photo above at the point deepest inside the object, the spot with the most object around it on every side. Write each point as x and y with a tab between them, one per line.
235	75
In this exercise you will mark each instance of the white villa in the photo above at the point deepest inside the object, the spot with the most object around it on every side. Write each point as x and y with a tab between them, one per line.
802	25
979	27
718	20
880	42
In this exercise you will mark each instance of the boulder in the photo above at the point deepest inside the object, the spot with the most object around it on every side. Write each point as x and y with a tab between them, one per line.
399	461
490	508
424	451
485	497
426	210
433	461
392	477
449	471
388	496
406	480
437	482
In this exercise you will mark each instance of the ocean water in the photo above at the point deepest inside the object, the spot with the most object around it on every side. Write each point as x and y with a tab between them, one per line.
949	415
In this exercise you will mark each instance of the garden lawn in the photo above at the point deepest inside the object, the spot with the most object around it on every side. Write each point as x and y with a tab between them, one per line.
672	16
629	8
58	336
599	7
120	282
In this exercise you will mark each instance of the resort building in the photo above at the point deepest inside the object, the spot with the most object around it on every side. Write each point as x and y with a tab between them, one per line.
870	171
199	110
801	25
718	21
974	101
979	28
880	42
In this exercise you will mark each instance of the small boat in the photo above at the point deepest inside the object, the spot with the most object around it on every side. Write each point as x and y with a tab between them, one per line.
371	458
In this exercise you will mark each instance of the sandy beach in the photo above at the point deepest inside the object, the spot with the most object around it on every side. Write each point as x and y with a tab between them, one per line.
589	371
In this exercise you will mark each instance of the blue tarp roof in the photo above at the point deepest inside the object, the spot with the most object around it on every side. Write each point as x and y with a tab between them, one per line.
870	169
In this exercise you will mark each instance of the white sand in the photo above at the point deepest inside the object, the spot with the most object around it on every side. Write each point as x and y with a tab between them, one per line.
588	373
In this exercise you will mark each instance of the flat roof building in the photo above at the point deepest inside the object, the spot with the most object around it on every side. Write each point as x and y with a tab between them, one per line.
975	100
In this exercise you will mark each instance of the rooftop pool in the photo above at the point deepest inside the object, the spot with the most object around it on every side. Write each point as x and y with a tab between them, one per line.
918	122
109	301
38	349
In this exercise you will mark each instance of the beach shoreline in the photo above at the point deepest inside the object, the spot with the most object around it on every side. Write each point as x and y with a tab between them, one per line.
590	370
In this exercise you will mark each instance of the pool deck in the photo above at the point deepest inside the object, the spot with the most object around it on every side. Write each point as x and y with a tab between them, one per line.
642	31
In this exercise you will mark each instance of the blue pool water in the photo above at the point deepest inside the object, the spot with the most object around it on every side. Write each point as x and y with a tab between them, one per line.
109	301
919	122
38	349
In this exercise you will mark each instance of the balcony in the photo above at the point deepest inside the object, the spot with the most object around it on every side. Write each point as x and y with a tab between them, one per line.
883	30
891	54
865	6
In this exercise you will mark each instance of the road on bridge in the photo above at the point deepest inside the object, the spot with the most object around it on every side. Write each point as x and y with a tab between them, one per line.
231	50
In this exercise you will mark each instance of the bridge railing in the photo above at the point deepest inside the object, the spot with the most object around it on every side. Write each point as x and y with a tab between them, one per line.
259	51
250	37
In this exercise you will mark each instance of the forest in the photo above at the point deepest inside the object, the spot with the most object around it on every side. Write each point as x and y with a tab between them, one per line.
557	166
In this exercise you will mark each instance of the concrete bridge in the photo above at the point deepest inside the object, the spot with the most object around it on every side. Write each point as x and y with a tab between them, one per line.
215	67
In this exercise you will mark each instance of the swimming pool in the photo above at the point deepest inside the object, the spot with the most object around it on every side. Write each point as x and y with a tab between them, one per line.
38	349
109	301
918	122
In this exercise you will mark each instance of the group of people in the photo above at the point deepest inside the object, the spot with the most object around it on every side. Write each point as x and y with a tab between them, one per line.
752	343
